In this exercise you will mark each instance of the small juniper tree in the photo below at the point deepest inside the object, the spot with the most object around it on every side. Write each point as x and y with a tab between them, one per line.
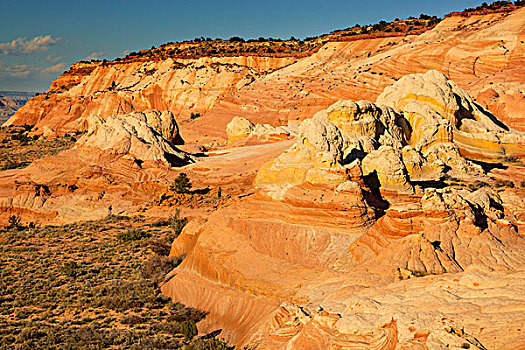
181	184
15	222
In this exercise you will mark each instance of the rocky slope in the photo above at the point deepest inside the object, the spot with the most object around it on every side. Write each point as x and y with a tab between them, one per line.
364	241
484	54
182	86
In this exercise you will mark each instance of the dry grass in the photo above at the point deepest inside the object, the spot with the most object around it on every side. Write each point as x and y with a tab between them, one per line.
18	150
80	287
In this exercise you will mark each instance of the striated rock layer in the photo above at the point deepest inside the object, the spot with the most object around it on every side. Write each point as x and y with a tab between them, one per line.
483	54
182	86
354	241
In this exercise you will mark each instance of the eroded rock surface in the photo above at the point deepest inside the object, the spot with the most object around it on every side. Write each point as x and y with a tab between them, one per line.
355	239
132	135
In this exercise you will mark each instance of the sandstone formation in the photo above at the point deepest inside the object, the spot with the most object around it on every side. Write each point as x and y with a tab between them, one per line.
182	86
133	136
343	223
353	240
457	116
241	128
482	53
118	163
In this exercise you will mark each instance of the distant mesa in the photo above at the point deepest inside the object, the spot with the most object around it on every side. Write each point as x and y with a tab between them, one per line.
11	101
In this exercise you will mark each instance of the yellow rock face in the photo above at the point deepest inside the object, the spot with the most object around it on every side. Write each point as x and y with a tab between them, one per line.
387	165
298	165
356	120
238	128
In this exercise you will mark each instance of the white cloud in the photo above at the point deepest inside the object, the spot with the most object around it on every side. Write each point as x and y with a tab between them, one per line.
50	59
59	67
94	56
17	70
22	46
24	70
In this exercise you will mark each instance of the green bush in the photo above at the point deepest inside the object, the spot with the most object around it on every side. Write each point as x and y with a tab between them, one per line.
15	223
188	329
181	184
134	234
71	268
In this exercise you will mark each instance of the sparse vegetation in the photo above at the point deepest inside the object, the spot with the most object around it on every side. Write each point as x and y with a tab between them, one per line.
494	7
133	234
510	159
77	287
18	150
503	183
195	115
476	185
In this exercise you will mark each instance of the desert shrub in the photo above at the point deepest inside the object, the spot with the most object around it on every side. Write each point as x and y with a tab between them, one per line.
14	165
503	183
177	223
181	184
157	267
134	234
195	115
510	159
71	268
188	329
15	222
476	185
133	320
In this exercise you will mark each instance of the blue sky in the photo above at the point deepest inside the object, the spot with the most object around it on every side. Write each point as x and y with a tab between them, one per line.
40	39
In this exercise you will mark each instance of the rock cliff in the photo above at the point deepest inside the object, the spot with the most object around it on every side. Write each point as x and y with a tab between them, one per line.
182	86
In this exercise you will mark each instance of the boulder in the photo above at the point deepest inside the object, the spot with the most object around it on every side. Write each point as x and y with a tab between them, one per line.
386	163
366	120
418	168
239	128
131	135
